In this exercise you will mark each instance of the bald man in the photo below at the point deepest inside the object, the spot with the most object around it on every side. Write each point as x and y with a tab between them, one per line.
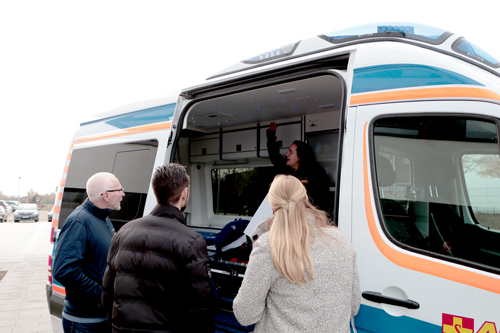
81	252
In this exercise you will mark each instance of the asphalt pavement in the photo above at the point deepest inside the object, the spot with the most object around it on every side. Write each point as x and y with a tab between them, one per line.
24	252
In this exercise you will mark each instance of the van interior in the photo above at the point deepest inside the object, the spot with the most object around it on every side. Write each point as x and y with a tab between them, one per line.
223	144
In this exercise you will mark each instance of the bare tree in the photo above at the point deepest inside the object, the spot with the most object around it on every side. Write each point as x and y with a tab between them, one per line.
486	166
32	195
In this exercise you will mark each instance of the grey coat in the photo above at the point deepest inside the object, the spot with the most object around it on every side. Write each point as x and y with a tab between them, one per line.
325	304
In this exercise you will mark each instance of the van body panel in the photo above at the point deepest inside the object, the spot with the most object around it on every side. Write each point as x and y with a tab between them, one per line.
406	129
406	274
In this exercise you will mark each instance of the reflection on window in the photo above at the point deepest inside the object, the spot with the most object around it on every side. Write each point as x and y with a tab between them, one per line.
438	182
240	191
482	175
401	186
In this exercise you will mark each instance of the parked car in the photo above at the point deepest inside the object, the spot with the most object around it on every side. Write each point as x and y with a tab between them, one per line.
3	214
13	204
26	211
51	212
6	206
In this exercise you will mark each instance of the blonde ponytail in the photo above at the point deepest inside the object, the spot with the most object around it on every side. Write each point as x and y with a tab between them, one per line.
290	233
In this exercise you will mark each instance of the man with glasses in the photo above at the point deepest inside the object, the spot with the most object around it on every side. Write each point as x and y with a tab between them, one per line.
158	276
81	252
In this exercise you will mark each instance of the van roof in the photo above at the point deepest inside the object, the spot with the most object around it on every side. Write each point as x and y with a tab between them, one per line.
413	33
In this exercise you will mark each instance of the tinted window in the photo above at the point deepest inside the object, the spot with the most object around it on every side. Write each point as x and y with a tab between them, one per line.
438	183
132	163
240	191
463	46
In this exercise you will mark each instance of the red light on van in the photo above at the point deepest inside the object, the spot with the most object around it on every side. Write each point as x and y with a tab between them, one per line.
50	269
52	235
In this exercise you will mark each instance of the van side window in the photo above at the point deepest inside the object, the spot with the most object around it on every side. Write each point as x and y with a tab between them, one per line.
130	162
438	184
240	191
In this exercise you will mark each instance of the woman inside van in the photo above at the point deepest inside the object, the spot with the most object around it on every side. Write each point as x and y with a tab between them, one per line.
302	274
301	163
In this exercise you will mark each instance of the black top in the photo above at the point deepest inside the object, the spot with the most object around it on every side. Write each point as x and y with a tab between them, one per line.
312	175
158	276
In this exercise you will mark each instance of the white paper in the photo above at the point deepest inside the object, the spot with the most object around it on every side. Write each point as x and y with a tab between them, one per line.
263	213
235	243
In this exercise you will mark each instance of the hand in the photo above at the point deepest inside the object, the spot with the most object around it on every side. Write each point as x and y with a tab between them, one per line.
273	126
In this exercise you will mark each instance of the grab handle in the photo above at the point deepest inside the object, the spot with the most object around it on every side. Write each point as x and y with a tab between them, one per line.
379	298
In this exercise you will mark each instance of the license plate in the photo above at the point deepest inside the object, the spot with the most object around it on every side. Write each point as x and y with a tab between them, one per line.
25	217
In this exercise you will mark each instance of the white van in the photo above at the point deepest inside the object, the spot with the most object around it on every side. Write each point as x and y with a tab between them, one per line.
405	120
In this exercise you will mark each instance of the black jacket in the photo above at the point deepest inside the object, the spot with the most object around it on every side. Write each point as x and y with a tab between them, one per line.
80	259
158	276
313	177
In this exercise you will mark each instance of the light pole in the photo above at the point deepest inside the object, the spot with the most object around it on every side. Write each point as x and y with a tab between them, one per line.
19	191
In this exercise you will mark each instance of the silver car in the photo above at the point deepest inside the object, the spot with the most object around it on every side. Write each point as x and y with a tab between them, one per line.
26	211
3	214
51	213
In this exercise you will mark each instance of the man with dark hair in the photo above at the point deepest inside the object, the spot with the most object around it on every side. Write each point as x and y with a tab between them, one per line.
158	273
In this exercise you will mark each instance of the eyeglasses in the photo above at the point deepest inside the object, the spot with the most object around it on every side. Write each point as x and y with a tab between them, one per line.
117	190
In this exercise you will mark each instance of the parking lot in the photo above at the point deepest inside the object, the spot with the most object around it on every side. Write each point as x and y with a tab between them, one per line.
24	250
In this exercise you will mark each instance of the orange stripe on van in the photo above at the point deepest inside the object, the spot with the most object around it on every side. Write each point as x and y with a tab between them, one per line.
127	131
69	156
57	209
63	182
425	93
54	223
65	170
59	196
419	264
58	289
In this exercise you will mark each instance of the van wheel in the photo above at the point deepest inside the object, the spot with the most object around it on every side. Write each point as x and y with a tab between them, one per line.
16	221
36	220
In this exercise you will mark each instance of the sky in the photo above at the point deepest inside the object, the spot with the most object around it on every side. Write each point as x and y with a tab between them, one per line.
61	62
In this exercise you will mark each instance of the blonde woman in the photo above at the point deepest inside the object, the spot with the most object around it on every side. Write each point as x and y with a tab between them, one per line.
302	274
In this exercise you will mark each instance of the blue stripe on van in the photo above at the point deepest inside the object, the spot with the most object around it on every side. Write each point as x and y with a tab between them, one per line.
373	320
396	76
149	116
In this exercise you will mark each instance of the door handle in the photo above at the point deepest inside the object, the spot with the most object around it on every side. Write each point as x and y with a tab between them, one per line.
379	298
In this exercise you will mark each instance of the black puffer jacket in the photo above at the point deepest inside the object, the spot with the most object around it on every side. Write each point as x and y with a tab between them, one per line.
158	276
